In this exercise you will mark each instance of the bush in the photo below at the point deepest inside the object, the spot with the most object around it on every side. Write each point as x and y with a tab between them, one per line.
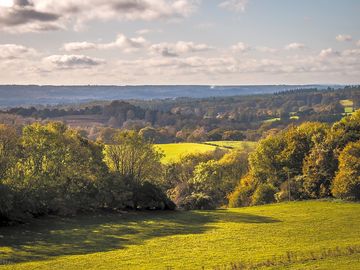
197	201
147	196
6	203
264	193
241	196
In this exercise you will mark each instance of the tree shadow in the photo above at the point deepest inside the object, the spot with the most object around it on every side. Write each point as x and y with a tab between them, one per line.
53	236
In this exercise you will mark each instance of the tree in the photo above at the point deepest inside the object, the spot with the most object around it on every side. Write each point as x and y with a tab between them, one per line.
346	184
134	158
322	162
9	153
207	179
233	135
266	163
241	196
195	176
58	170
9	149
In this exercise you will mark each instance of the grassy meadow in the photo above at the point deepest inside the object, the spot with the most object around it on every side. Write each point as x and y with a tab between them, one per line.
348	105
174	151
241	145
296	235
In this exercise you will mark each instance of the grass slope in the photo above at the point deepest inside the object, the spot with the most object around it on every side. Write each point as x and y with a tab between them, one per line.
190	240
173	151
242	145
348	105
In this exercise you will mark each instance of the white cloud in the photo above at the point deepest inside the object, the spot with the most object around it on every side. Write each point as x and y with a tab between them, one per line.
72	61
240	47
343	38
294	46
178	48
14	51
351	52
358	43
128	44
328	53
21	64
42	15
234	5
121	42
79	46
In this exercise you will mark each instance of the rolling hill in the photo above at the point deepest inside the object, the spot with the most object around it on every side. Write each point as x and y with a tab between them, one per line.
315	234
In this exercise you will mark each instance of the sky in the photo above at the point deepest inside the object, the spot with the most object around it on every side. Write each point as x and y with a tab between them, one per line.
209	42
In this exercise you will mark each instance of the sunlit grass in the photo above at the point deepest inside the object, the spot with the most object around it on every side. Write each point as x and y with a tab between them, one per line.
174	151
273	120
348	106
186	240
349	110
347	103
241	145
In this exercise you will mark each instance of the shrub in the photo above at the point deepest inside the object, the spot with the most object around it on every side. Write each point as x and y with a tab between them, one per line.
197	201
264	193
147	196
296	190
6	203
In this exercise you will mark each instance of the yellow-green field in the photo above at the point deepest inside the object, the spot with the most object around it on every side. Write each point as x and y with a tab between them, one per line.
273	120
348	105
346	102
174	151
242	145
296	235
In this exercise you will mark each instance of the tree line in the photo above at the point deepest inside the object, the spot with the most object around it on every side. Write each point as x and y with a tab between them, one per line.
52	169
225	118
310	161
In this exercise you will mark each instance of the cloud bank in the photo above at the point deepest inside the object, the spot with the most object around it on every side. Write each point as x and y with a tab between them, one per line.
43	15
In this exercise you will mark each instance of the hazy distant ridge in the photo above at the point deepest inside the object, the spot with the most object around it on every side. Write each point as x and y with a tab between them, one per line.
16	95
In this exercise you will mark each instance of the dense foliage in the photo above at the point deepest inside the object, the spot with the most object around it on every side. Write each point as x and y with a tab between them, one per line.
50	169
203	181
310	161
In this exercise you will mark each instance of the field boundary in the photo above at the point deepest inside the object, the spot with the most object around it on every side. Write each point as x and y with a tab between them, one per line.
291	257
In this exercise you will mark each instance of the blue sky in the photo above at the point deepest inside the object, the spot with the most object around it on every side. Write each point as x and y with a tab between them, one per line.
179	41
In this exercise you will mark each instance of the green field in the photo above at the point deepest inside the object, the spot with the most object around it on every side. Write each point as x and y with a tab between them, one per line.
242	145
346	102
272	120
348	105
297	235
173	151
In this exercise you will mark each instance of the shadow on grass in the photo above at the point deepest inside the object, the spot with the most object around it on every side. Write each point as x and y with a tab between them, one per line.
53	236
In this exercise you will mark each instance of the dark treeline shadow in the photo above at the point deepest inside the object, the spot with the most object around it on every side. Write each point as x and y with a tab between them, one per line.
54	236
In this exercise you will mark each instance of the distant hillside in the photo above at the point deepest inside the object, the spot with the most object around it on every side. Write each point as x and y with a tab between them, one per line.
16	95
